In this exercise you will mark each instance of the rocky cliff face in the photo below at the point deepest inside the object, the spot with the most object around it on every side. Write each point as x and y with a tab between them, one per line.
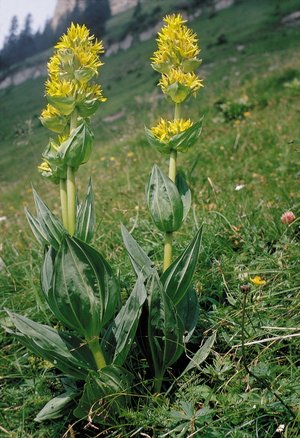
117	6
65	6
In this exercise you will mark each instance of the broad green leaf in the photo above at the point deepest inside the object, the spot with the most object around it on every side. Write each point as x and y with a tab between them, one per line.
64	350
121	333
201	354
178	277
36	228
84	293
162	147
164	201
139	259
165	328
105	393
188	310
47	271
76	150
51	226
185	139
86	218
185	193
56	407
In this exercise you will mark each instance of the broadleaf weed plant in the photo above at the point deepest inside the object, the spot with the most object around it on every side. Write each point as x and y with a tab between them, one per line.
96	331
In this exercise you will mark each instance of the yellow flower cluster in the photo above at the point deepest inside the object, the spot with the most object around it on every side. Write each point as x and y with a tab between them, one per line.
176	59
70	93
73	65
166	129
179	85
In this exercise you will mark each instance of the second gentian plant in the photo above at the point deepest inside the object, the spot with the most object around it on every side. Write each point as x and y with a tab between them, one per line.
170	313
93	331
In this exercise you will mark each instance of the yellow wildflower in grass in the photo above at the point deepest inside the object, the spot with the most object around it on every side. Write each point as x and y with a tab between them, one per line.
176	45
258	281
166	129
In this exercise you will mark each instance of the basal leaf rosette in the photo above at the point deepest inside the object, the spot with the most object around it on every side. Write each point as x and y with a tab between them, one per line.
179	135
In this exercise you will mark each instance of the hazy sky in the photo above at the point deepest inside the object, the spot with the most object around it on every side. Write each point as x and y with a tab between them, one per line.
40	10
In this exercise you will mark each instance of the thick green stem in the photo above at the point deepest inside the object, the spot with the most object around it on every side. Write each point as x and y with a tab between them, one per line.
73	122
169	236
97	353
168	251
157	383
177	111
71	186
64	202
172	175
71	190
172	165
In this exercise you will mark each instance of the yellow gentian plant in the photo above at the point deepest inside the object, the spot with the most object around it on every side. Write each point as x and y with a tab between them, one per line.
95	333
177	60
73	97
170	312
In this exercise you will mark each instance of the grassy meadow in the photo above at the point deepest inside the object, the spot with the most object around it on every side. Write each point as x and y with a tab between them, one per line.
244	173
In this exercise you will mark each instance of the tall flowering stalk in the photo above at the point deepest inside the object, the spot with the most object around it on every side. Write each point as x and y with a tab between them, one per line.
171	310
177	60
78	284
72	98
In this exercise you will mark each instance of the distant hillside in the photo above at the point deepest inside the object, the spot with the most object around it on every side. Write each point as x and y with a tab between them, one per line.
65	7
